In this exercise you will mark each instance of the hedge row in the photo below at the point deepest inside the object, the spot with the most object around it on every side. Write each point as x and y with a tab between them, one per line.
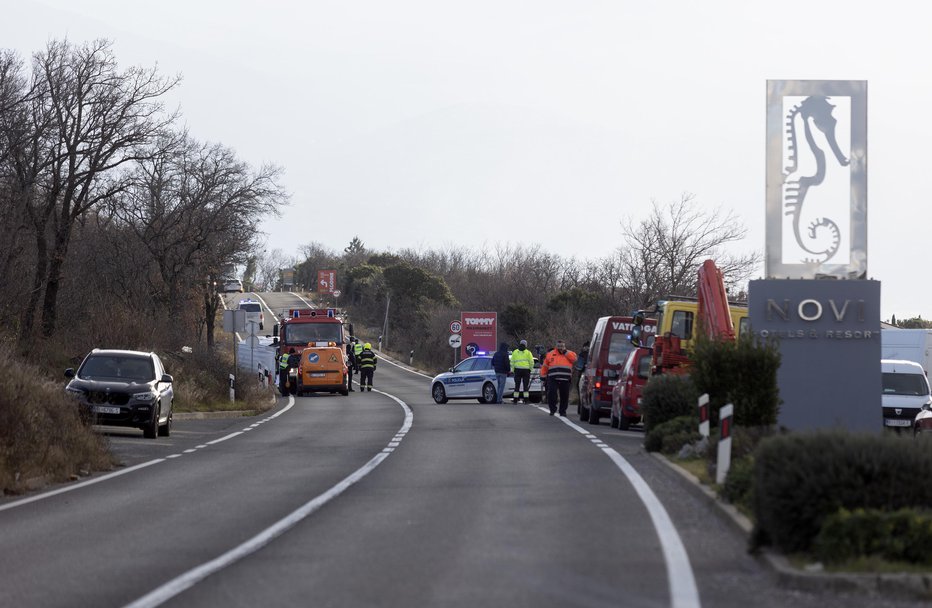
802	479
899	536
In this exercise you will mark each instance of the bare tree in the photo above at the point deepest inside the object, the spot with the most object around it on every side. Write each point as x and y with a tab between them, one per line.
662	254
102	120
195	207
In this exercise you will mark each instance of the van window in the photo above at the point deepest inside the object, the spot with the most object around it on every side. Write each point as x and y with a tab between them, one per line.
682	325
904	384
618	349
250	306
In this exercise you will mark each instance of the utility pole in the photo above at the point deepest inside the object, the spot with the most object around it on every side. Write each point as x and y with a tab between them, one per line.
384	337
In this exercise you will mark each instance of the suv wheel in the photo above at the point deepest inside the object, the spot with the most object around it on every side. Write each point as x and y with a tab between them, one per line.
151	430
166	429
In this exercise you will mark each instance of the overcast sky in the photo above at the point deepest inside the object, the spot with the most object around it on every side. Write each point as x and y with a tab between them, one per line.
429	124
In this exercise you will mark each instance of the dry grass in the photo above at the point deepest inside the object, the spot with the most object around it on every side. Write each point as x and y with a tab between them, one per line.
42	436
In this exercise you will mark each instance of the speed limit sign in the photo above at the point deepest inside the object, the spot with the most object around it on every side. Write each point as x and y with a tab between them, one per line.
456	327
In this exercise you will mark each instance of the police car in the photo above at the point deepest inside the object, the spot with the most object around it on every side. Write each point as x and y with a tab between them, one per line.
474	378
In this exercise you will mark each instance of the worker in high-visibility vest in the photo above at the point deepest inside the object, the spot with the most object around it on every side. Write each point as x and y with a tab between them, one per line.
522	362
366	360
556	373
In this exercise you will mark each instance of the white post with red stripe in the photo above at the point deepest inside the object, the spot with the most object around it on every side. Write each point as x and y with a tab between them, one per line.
725	417
704	415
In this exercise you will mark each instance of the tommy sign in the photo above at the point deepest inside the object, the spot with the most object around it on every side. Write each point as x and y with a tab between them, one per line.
480	332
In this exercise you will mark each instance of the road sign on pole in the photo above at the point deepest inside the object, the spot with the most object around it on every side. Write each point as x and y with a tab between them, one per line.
456	327
456	340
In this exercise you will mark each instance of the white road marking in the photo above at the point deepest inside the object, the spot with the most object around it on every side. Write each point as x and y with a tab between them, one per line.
683	590
187	580
84	484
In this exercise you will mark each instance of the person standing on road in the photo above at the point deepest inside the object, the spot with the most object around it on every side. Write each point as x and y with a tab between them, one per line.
522	362
557	372
351	360
283	371
366	361
501	363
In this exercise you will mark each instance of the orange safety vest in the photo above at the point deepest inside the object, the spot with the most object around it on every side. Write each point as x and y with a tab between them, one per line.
558	366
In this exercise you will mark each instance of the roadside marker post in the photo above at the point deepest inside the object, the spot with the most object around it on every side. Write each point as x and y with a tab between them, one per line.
704	415
725	417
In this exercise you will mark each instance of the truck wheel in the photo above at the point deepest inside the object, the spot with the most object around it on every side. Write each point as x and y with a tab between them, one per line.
439	395
624	424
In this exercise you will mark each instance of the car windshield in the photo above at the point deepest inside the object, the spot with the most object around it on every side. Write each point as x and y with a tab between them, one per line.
905	384
618	349
302	333
137	369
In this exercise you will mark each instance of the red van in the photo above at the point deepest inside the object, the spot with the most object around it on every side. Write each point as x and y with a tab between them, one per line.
608	350
626	395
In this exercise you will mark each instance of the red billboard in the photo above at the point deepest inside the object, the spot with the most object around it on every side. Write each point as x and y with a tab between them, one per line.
326	281
480	333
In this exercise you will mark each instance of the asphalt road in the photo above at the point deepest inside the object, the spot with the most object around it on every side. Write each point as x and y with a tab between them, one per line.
384	499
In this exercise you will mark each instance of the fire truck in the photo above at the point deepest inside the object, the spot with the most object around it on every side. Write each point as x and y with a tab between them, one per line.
677	321
302	328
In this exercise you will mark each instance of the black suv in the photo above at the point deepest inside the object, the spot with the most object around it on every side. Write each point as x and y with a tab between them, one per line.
124	388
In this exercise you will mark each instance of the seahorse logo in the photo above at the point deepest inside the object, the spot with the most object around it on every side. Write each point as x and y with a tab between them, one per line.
822	237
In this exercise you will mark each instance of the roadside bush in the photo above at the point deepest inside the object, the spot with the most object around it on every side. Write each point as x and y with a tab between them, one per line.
801	479
669	436
904	535
744	373
41	434
738	488
668	396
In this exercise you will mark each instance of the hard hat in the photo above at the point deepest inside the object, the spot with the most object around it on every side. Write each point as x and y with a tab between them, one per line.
367	345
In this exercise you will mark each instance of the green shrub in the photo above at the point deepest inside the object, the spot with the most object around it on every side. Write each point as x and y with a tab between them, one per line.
801	479
738	488
668	437
668	396
744	373
904	535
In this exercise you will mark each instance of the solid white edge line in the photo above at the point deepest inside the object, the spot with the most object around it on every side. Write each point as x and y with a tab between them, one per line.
187	580
683	590
83	484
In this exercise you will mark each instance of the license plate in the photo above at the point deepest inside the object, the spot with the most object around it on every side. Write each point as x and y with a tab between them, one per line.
896	422
612	382
318	375
100	409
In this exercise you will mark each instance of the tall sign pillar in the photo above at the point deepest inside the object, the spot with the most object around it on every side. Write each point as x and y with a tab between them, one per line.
816	300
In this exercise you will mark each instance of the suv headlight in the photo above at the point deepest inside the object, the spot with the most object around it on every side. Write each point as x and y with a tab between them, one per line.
147	396
74	391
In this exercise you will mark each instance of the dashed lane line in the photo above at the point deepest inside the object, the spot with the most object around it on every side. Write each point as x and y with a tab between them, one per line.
187	580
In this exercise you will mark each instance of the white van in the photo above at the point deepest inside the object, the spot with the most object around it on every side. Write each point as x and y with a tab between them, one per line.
905	392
